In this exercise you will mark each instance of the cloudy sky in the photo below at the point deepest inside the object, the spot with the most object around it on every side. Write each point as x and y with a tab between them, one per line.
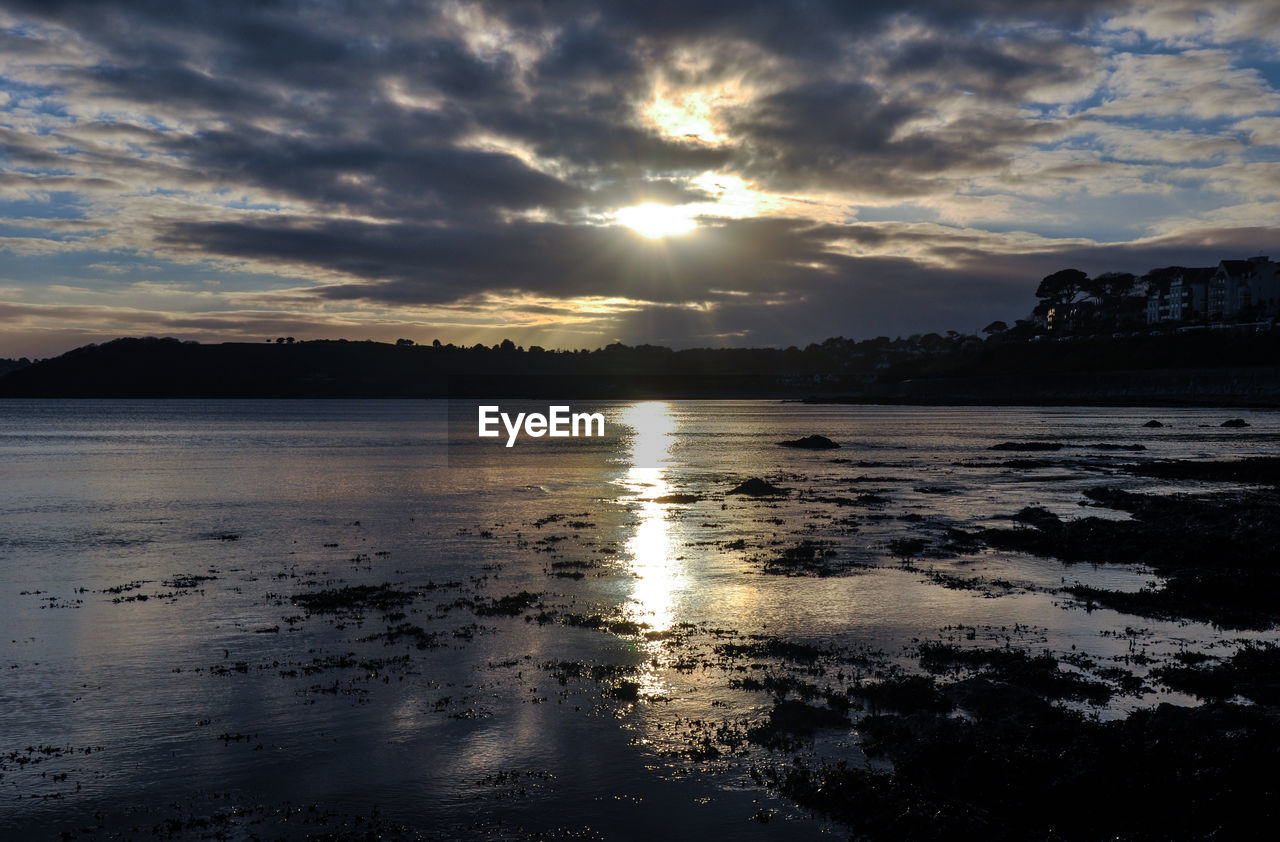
575	173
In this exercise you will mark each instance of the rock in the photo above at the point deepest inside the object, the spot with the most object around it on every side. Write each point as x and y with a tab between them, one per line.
1235	422
1258	469
1153	423
811	443
676	498
1028	464
1039	517
1027	445
756	487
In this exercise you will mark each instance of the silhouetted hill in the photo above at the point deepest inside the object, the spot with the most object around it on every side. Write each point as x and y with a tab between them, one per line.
7	365
1206	367
169	368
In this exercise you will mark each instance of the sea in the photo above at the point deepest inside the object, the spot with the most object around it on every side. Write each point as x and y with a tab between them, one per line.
282	618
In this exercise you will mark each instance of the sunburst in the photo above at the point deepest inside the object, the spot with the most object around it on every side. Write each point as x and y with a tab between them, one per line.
655	221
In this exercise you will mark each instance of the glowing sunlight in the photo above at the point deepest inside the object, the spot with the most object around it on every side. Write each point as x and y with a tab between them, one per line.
655	221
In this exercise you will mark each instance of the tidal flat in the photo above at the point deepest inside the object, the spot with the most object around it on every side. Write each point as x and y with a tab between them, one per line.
327	620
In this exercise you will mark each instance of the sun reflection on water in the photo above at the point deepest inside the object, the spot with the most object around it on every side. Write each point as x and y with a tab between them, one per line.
651	549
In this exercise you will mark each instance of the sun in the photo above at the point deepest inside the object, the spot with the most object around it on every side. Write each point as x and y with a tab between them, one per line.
656	221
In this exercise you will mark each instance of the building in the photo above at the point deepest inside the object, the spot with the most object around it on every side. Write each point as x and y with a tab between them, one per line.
1265	288
1181	295
1069	317
1231	291
1158	302
1189	294
1244	289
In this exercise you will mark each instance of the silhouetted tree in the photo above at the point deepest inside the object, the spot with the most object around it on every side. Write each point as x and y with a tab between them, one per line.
995	327
1110	287
1062	287
1162	277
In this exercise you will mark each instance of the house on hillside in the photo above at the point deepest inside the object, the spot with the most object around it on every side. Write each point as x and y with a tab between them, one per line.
1158	301
1180	295
1244	289
1070	317
1189	294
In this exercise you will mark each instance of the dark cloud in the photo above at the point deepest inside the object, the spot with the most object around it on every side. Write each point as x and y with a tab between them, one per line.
847	134
1004	68
421	264
324	68
409	177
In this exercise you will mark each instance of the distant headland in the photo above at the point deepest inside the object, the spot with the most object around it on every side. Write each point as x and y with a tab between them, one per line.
1207	368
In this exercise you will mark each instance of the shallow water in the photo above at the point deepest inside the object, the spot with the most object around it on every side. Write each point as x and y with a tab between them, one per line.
218	690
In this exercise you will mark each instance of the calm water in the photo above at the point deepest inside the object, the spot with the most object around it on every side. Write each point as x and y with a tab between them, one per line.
156	663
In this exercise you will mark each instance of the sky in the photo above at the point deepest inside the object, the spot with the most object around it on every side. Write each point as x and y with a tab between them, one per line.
572	174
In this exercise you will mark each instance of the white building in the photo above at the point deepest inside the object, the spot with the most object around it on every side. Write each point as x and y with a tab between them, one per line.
1183	295
1189	294
1248	288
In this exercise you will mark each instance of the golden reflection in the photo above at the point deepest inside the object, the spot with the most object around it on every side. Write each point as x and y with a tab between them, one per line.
651	549
653	428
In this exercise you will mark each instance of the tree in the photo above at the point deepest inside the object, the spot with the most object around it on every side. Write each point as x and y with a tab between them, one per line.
1109	288
1114	285
995	327
405	343
1161	278
1063	286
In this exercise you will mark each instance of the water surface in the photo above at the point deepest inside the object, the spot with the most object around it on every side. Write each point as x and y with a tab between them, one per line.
159	666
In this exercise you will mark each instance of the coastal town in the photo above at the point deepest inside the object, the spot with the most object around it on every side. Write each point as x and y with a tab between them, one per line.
1243	293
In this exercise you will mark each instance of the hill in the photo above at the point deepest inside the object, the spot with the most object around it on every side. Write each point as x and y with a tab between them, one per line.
1197	368
167	368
